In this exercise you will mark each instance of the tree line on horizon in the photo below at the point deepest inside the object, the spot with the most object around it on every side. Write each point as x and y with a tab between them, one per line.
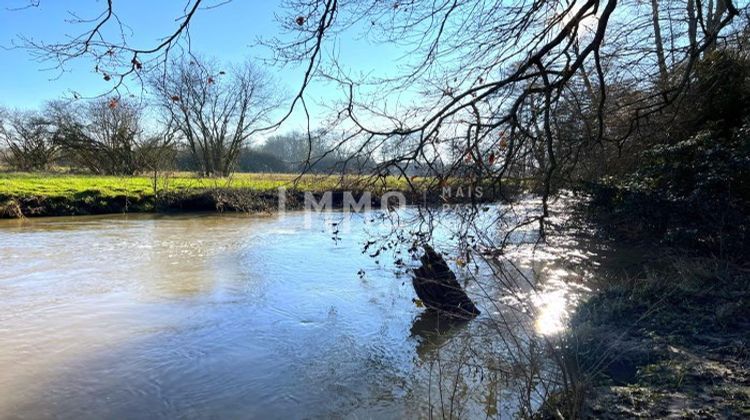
198	118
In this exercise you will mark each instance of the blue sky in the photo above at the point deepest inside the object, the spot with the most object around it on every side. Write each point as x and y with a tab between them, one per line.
227	33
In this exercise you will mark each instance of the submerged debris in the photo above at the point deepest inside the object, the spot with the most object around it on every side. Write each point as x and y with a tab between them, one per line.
437	287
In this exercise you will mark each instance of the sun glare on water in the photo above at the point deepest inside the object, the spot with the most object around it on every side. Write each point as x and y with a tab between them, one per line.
553	309
553	304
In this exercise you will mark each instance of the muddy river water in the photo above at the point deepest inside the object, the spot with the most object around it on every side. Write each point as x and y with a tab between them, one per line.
238	316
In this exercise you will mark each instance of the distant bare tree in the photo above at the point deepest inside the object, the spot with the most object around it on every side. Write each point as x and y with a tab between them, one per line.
103	136
28	140
299	149
214	111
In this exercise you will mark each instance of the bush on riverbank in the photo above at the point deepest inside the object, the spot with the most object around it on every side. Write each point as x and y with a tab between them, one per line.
691	185
694	194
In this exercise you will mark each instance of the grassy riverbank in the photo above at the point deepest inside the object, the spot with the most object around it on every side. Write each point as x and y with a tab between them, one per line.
55	194
668	340
58	194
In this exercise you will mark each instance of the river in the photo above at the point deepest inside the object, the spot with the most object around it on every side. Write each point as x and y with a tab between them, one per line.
237	316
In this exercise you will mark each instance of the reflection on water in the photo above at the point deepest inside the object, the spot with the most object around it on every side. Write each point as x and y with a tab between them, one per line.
433	329
239	316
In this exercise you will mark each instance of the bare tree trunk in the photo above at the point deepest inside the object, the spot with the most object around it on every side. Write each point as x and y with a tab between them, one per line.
713	22
692	26
585	76
659	41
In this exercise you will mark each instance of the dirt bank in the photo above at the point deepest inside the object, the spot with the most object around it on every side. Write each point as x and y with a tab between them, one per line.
667	338
216	199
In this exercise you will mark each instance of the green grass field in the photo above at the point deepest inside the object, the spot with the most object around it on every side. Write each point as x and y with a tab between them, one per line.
16	184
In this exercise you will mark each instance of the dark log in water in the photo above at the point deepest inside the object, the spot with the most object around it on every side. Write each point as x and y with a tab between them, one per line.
437	287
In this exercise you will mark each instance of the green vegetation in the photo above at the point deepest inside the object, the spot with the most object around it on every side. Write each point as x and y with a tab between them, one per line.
691	188
18	184
54	194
